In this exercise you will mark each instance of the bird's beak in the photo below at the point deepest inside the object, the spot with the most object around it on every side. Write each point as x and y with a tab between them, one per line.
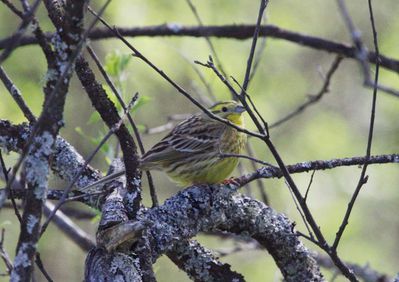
239	109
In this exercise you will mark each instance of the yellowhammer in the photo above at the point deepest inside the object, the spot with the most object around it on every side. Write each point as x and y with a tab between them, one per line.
190	153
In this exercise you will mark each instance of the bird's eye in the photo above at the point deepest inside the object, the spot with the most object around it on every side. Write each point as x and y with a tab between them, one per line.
224	109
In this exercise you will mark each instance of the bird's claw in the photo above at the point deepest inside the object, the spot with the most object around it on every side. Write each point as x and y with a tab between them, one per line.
231	181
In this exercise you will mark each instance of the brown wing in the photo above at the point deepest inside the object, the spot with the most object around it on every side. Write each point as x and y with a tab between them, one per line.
190	137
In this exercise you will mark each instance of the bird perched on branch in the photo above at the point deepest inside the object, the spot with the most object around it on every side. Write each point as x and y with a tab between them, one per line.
191	152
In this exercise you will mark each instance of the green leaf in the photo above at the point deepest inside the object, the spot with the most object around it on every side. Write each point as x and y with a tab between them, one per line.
94	117
116	63
105	148
142	100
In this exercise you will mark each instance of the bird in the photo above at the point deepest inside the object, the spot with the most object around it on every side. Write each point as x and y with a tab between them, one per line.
191	153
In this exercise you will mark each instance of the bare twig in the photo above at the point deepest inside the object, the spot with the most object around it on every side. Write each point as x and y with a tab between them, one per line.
14	9
258	58
311	236
139	55
16	95
43	270
228	155
4	255
87	161
9	191
312	99
207	38
261	186
16	37
153	192
309	185
262	8
363	178
365	272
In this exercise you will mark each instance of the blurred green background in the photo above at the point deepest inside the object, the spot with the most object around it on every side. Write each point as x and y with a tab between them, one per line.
335	127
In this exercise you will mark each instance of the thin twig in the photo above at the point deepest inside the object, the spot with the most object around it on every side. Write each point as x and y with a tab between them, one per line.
309	185
363	178
153	192
3	254
43	270
139	55
87	161
301	213
209	64
228	155
312	99
260	183
16	95
9	191
258	58
16	37
244	92
14	9
262	8
207	38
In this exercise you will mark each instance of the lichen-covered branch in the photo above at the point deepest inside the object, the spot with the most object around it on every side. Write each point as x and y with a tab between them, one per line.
275	172
13	137
66	161
364	272
209	208
41	144
199	263
117	266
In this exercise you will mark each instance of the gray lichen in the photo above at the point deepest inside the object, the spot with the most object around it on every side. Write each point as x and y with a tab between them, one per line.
32	222
37	166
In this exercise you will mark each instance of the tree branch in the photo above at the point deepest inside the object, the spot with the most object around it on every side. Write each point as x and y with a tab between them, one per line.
240	32
210	208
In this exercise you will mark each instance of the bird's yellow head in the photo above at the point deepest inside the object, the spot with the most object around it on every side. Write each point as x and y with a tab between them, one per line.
229	110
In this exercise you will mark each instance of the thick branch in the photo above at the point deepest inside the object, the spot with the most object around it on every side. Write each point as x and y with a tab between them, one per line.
66	161
109	114
199	263
204	208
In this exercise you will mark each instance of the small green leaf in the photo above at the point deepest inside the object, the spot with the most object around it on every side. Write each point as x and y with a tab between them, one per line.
141	127
141	102
116	63
94	118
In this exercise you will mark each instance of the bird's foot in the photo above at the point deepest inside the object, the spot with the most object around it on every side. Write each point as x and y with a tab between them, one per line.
231	181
